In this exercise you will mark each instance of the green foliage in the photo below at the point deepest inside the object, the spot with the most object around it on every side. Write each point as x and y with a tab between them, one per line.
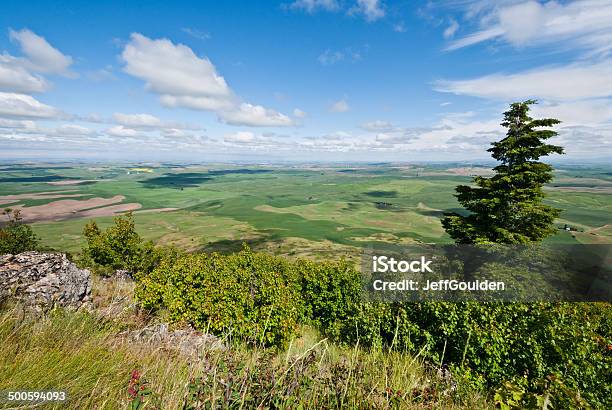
329	291
15	236
549	392
508	208
489	344
258	297
120	247
252	295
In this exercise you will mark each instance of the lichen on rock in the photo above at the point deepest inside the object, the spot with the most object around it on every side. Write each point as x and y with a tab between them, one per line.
42	281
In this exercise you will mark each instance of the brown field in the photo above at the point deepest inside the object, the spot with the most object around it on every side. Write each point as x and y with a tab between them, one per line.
71	208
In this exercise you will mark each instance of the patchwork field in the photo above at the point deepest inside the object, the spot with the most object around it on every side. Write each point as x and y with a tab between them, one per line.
309	210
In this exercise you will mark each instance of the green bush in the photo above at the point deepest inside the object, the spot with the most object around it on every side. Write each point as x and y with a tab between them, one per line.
330	292
489	344
119	247
252	296
15	236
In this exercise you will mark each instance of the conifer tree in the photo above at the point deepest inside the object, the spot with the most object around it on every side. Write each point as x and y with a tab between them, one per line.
507	207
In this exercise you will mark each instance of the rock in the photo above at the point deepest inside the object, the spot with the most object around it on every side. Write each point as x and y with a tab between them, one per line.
188	341
122	274
44	280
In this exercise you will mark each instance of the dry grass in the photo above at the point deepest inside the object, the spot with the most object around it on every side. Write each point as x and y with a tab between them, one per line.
81	353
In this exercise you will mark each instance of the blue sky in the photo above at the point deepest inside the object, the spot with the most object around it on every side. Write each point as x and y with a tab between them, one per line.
341	80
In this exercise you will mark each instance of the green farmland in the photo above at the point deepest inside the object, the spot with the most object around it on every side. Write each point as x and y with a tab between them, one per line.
310	210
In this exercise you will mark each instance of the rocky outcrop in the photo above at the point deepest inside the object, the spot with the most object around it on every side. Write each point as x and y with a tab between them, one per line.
44	280
188	341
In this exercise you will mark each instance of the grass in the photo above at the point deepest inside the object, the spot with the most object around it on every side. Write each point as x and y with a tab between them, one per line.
81	353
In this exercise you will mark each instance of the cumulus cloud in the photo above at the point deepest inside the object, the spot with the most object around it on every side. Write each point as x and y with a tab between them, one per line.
40	55
255	116
121	131
148	121
23	74
15	78
340	106
172	69
577	24
182	79
15	106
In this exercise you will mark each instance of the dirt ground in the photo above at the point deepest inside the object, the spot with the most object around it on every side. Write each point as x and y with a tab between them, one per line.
70	208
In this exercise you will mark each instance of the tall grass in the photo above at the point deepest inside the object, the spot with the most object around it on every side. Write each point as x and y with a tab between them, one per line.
82	353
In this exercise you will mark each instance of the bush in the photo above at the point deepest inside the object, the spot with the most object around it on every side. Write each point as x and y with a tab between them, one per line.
489	344
120	247
330	292
253	296
15	236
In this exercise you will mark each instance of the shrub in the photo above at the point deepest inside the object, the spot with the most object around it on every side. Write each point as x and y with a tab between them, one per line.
494	343
120	247
252	295
15	236
330	292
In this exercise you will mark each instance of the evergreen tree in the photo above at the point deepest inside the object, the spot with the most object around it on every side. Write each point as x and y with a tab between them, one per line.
507	208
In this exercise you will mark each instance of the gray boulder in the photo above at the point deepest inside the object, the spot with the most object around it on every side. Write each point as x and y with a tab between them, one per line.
44	280
187	341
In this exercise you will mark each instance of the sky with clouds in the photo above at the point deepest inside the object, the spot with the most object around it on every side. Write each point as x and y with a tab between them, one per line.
298	80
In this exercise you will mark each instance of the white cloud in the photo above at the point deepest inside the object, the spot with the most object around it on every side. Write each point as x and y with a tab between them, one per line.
576	81
41	56
588	112
240	137
330	57
298	113
340	106
399	27
16	78
378	126
121	131
197	103
372	10
14	105
17	124
578	24
450	31
74	130
310	6
200	35
255	116
137	120
182	79
174	70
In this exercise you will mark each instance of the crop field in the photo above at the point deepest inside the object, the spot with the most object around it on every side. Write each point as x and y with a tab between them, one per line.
317	211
